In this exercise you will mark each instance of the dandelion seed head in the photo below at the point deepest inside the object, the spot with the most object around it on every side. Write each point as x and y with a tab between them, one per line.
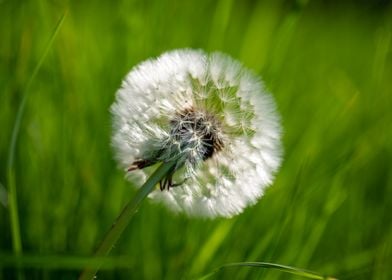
210	115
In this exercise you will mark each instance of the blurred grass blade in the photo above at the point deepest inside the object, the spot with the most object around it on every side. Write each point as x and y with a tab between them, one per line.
283	268
63	262
3	196
12	194
18	120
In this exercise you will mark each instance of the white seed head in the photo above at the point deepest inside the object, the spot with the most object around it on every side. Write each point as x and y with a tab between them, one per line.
209	114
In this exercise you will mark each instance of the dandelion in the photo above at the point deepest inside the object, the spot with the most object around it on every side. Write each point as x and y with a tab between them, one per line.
209	115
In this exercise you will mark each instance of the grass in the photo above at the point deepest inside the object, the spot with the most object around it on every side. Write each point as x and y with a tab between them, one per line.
327	66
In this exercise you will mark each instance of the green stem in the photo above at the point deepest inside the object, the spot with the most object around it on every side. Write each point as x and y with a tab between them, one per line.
125	216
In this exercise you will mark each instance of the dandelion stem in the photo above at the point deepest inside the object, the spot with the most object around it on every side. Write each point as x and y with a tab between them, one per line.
125	216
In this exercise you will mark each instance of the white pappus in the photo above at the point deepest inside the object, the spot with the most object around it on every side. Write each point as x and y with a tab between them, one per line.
210	115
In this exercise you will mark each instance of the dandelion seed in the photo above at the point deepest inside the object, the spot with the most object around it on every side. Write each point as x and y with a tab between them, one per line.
209	115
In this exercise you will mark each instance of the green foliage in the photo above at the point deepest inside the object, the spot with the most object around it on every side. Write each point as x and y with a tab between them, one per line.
327	66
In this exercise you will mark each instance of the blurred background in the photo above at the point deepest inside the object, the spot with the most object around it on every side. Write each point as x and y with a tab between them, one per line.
327	64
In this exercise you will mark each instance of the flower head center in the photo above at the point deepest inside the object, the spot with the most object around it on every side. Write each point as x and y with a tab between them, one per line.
198	133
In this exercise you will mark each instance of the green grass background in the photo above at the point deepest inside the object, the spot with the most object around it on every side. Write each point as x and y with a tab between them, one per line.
329	66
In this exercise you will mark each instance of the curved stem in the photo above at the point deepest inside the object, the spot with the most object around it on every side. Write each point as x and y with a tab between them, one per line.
125	216
12	191
284	268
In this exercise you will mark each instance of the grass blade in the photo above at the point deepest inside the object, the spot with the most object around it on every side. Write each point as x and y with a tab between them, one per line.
12	194
63	262
283	268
